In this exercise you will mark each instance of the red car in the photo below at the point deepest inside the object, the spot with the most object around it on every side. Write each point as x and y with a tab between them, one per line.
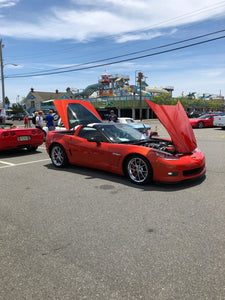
121	149
203	121
12	137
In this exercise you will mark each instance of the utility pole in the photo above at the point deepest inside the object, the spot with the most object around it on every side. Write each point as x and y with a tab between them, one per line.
2	75
140	76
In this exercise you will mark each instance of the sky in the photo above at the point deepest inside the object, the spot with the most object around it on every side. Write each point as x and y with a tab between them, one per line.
78	40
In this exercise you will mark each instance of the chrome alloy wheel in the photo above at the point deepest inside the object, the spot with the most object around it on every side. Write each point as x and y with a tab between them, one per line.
139	170
58	156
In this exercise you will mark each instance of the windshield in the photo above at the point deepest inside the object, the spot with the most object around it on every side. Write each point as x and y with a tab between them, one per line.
79	114
121	133
204	117
130	121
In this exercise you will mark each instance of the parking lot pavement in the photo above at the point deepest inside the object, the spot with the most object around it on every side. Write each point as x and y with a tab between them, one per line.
77	233
12	158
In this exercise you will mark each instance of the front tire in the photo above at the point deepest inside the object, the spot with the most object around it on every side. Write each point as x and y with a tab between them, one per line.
58	156
44	133
138	170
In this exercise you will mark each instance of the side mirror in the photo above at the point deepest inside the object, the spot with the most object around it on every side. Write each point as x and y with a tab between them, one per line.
93	139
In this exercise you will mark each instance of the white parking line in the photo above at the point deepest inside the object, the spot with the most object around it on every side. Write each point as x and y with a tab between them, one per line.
20	164
7	163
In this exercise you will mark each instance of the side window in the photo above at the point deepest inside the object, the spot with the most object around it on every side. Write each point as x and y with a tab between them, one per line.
89	132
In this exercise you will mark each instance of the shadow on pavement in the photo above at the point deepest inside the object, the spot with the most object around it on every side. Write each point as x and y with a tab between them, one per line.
111	177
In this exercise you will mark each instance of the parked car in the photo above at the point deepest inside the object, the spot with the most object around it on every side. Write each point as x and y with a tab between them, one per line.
12	137
19	117
219	121
59	126
142	127
9	117
123	150
220	113
194	114
203	121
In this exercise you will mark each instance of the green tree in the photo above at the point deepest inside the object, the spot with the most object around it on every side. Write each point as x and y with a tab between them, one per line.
7	102
162	99
17	108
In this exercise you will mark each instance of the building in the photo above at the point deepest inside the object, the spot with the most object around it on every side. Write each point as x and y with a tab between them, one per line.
34	98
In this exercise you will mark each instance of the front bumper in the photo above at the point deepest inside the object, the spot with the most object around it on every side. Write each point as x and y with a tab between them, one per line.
186	167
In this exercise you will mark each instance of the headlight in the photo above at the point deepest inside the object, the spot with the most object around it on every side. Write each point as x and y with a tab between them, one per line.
166	155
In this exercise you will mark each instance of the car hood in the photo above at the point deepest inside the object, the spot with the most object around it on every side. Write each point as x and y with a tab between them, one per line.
176	122
87	114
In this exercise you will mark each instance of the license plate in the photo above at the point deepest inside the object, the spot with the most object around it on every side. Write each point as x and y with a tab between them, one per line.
23	138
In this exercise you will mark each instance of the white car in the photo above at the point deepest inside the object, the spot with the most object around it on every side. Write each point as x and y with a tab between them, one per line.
219	121
142	127
59	126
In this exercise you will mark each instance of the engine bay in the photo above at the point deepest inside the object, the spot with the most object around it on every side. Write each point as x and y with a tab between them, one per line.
162	145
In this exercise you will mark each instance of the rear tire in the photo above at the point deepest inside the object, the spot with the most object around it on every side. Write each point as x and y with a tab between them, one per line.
58	156
200	125
138	169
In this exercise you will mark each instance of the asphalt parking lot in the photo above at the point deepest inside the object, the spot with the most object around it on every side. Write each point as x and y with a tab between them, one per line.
78	233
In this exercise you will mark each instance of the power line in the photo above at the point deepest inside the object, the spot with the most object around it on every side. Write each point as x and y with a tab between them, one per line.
116	57
121	61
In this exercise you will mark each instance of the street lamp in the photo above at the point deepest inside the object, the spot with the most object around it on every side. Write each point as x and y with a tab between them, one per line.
2	73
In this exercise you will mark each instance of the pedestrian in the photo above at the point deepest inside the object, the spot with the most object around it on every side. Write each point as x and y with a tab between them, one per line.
26	121
34	117
112	116
49	119
39	120
1	119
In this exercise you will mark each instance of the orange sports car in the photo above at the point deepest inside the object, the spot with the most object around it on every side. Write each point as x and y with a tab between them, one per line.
121	149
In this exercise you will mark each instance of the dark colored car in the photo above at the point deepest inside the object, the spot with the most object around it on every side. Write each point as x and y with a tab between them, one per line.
194	114
19	117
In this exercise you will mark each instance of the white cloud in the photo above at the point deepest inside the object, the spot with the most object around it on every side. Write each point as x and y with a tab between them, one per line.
90	19
8	3
136	37
212	73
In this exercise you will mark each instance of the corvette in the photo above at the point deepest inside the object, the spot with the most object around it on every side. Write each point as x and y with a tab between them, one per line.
121	149
12	137
203	121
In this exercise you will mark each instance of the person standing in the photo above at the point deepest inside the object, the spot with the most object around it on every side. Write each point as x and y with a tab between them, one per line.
35	114
49	119
112	116
39	120
26	121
